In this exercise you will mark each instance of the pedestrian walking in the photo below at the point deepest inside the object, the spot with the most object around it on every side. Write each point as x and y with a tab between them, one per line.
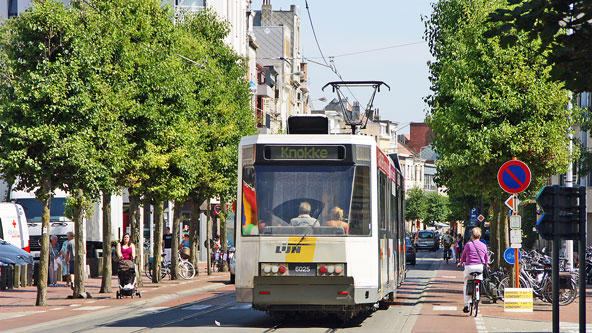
54	261
70	253
167	240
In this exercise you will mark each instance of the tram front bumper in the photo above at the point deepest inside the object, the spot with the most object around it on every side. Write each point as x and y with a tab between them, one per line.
303	290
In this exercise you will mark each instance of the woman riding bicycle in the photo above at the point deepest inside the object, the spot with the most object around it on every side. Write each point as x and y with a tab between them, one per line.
473	257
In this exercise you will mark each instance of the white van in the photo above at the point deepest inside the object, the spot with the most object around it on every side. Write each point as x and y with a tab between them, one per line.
13	225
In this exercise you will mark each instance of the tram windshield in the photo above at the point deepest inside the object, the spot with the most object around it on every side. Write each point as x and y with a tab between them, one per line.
286	200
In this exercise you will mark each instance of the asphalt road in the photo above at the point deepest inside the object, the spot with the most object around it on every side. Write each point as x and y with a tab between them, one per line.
222	312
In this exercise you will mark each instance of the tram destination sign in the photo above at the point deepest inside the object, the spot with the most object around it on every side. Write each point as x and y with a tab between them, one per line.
302	152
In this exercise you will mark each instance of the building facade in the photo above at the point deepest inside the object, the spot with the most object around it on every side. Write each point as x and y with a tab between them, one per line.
277	33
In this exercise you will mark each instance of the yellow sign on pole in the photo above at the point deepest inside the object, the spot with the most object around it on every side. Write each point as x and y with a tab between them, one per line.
518	300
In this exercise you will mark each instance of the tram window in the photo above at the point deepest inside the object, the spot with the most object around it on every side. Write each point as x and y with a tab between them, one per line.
293	200
393	207
250	225
359	215
382	199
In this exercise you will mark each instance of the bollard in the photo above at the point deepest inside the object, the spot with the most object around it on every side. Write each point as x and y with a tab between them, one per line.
3	280
23	276
30	275
17	276
10	276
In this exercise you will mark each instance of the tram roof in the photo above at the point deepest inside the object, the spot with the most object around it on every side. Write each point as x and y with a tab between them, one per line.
308	139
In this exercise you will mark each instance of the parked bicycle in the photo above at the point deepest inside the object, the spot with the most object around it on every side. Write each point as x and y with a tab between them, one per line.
185	268
535	273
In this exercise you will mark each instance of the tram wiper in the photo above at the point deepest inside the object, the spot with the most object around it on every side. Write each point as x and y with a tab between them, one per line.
310	227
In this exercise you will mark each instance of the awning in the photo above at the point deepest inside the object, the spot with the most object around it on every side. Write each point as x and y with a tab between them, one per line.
441	225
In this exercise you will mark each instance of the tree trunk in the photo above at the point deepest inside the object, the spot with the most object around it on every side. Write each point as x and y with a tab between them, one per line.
106	278
157	241
193	231
80	249
208	236
135	230
223	240
43	195
178	206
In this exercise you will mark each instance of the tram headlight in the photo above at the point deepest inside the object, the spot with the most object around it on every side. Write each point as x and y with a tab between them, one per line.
338	269
266	269
274	269
330	269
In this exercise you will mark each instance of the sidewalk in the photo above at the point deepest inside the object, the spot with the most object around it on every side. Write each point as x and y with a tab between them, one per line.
18	303
443	303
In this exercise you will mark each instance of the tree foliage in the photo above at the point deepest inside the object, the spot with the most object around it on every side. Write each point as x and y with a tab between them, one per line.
437	208
491	104
415	205
563	28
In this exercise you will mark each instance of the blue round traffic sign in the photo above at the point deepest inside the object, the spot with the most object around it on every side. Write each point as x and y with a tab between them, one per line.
509	256
514	176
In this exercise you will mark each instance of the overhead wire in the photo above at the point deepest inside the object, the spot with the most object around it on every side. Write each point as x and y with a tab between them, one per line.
332	63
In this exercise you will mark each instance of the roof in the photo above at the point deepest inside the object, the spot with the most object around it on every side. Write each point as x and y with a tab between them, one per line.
402	150
429	153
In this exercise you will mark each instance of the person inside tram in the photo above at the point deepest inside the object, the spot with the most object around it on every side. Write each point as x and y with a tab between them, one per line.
304	218
336	219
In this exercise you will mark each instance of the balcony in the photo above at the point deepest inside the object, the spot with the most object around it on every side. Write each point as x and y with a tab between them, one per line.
264	90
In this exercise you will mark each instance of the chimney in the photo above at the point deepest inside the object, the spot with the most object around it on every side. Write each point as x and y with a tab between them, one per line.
356	111
266	14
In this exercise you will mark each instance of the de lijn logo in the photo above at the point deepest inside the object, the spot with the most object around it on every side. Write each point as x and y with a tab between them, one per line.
289	248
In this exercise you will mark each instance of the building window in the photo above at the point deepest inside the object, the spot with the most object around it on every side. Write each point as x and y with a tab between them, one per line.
12	8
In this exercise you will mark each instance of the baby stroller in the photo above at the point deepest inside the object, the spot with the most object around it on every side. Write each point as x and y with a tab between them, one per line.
127	279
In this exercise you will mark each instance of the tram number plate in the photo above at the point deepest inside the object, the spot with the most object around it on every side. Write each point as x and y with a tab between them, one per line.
302	269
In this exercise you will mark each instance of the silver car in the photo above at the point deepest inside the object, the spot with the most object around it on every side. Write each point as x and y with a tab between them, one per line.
10	254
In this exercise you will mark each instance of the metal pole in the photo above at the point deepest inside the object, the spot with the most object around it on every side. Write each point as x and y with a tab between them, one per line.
582	261
569	253
556	248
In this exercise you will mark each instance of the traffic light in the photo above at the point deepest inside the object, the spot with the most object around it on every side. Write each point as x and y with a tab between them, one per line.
560	205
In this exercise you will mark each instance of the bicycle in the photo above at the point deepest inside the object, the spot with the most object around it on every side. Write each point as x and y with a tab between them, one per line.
447	253
185	268
473	288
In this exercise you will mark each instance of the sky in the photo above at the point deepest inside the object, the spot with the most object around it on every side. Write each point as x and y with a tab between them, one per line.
346	26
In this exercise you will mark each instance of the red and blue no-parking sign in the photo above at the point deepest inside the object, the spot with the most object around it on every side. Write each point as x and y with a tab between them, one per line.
514	176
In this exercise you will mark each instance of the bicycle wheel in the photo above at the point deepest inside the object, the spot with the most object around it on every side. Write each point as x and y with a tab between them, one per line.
476	308
505	283
186	270
566	295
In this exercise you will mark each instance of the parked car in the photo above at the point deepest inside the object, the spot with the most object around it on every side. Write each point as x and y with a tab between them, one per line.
10	254
410	255
232	264
426	239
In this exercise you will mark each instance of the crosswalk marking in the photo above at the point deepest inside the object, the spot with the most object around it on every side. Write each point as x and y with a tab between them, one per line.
55	309
75	304
197	307
153	309
240	307
449	277
90	308
445	308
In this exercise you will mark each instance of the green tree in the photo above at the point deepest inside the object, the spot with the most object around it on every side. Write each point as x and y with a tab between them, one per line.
563	29
437	209
490	104
415	205
53	132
